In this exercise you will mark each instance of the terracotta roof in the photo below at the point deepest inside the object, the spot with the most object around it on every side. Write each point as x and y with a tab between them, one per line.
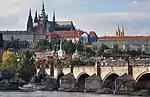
92	33
53	35
65	33
122	37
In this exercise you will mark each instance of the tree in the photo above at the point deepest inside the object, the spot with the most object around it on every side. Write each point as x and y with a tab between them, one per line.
102	48
89	51
80	47
16	44
115	48
90	63
27	63
68	62
134	53
69	47
43	45
9	63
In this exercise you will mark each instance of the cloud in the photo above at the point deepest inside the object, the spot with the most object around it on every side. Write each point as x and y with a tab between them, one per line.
64	2
68	2
14	12
104	23
140	5
14	16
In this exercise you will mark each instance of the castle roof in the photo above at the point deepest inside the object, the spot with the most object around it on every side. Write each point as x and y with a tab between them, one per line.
60	26
65	33
64	23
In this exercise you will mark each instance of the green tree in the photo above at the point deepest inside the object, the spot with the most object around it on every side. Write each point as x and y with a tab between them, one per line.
27	63
80	46
16	44
89	51
134	53
43	45
68	62
69	47
102	48
90	63
115	48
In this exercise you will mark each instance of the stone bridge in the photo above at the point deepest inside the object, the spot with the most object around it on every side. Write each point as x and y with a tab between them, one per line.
106	72
140	72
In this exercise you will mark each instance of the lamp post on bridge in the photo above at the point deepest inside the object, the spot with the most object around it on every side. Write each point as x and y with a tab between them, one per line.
130	67
71	67
98	66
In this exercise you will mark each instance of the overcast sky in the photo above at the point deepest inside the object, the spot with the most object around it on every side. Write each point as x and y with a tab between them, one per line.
101	16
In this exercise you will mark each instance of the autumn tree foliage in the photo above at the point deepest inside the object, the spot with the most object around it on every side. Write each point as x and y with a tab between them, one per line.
9	62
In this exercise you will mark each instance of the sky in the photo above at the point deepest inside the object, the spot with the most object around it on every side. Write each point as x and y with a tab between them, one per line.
101	16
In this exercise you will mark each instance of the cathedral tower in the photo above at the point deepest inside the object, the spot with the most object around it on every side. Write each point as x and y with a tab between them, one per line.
30	22
43	19
122	31
118	31
36	18
35	24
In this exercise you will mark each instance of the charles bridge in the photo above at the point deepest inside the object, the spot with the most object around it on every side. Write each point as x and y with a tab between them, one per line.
108	71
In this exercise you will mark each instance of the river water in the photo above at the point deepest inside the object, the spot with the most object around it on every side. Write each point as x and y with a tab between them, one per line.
54	94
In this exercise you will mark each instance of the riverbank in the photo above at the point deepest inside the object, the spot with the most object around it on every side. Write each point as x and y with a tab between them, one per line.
142	92
54	94
81	91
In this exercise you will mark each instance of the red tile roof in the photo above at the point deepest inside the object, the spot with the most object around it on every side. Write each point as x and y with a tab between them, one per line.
65	33
122	37
92	33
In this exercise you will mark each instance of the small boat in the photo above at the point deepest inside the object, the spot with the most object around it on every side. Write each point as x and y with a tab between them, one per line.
28	88
33	87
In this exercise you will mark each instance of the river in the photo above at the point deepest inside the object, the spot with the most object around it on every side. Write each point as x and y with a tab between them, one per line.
54	94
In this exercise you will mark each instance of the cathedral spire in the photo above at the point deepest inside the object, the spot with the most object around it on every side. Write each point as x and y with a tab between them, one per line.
122	31
43	8
35	18
54	23
118	31
54	16
30	13
30	22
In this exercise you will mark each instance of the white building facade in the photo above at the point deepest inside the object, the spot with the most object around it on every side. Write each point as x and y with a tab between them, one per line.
21	35
126	42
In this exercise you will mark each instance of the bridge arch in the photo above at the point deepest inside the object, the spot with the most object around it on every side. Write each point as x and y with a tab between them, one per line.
81	80
143	81
109	79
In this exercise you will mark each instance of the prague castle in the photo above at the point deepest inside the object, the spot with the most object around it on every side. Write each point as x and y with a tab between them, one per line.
40	24
39	27
125	42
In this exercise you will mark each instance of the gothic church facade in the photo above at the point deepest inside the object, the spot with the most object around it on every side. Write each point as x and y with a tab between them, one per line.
41	24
